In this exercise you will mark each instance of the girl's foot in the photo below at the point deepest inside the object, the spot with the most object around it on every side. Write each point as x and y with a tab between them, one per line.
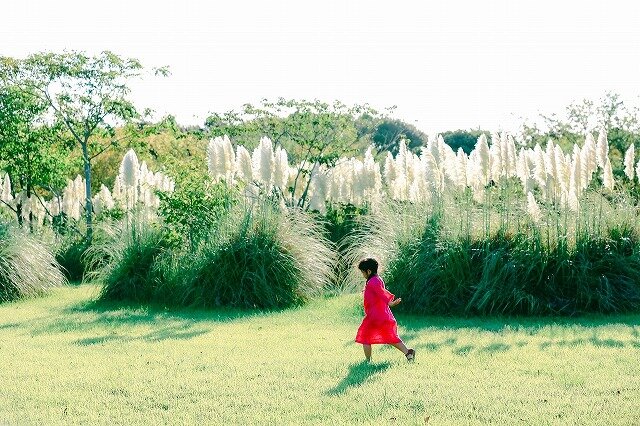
411	355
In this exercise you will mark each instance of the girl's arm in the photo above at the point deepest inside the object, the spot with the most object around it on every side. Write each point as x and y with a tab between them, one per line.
395	302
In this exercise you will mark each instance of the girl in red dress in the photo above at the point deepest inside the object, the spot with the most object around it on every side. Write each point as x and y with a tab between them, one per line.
378	326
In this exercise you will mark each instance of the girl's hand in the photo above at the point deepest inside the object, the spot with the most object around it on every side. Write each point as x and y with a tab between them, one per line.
395	302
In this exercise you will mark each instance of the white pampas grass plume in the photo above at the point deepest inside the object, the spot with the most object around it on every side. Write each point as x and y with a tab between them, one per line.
550	160
129	169
540	171
70	202
532	208
608	180
629	159
105	197
390	173
56	206
461	177
221	159
575	183
143	174
281	169
243	164
118	190
602	149
589	159
263	160
484	159
511	156
495	158
562	170
5	194
318	189
524	166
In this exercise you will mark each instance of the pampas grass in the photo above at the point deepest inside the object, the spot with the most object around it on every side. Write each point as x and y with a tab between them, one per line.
123	256
27	266
259	257
559	266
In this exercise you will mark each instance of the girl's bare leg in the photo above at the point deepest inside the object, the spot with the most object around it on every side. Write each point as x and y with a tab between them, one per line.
401	347
367	352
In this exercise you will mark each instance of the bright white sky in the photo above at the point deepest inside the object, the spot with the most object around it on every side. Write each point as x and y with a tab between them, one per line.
446	64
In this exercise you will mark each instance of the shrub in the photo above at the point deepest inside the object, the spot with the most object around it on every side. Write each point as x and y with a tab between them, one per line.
195	206
438	270
27	267
123	256
70	256
340	221
259	257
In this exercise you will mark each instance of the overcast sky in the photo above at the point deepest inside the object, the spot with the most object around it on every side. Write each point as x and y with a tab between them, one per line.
446	64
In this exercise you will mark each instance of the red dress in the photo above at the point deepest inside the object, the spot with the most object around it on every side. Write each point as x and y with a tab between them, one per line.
378	325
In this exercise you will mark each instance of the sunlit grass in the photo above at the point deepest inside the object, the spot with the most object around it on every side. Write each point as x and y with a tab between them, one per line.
66	360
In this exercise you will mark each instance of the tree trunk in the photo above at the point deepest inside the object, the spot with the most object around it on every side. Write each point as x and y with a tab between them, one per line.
30	208
88	203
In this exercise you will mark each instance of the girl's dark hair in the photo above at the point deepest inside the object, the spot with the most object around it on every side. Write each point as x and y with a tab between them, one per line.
369	264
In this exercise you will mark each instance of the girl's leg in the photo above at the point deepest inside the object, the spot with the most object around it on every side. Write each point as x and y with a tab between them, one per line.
367	351
401	347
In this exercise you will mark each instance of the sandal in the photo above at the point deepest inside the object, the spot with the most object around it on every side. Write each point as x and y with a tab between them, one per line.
411	355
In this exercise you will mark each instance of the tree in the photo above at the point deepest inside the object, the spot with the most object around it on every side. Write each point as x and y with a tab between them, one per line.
389	132
465	139
87	95
29	153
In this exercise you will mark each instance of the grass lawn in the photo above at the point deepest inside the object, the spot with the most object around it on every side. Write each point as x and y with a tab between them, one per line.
66	360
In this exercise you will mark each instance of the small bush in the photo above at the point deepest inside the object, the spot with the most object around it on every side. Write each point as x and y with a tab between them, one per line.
27	267
339	222
70	256
259	257
123	256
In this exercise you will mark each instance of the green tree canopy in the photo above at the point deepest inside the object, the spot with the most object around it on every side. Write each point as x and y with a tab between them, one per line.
29	151
88	96
465	139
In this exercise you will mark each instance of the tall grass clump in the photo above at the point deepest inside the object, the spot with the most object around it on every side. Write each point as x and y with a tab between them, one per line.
27	267
70	256
258	257
123	256
452	259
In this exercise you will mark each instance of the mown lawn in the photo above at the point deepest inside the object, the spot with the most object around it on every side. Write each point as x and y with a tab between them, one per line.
66	360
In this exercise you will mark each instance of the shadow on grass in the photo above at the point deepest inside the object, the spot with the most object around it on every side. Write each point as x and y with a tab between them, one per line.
358	374
531	325
416	327
113	319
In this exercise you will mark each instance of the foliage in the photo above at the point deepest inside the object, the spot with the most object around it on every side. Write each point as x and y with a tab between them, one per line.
259	258
310	131
29	153
314	133
441	266
341	221
27	267
70	256
195	206
123	256
87	96
388	133
465	139
163	145
255	257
